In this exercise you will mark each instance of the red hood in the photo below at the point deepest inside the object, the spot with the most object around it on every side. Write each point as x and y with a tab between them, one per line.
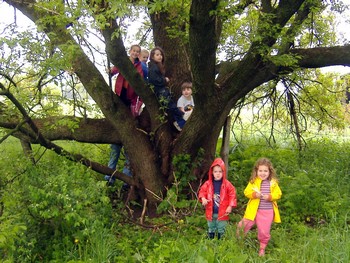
221	163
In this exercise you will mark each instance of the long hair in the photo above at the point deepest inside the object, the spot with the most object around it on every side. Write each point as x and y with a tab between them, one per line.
266	162
161	65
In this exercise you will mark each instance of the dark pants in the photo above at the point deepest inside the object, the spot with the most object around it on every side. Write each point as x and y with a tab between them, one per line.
165	98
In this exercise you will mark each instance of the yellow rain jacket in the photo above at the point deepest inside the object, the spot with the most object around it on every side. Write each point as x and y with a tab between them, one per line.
253	204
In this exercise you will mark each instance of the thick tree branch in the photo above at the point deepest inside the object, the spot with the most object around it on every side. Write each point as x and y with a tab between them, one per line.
93	81
294	28
66	128
306	58
59	150
323	56
116	53
271	24
203	30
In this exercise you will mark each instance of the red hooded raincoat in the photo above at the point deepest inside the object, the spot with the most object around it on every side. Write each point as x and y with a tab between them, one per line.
227	193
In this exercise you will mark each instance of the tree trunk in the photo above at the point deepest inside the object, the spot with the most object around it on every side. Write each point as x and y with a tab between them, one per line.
225	145
176	59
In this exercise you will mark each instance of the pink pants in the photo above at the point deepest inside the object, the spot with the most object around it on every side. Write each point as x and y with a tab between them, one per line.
263	221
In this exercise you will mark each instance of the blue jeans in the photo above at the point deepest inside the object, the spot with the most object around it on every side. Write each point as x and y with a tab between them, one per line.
126	168
114	157
164	96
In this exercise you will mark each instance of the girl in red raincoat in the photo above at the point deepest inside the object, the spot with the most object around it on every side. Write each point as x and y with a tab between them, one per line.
218	196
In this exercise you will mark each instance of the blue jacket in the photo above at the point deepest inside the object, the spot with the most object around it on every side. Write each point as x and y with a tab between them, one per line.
155	77
145	71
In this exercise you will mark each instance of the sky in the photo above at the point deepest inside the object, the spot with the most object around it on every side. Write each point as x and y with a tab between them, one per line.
343	27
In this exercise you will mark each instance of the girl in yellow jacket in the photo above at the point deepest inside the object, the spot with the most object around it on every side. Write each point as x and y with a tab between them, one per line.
263	192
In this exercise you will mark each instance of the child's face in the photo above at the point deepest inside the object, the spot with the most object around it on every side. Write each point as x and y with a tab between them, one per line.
263	172
144	56
134	52
158	57
187	92
217	173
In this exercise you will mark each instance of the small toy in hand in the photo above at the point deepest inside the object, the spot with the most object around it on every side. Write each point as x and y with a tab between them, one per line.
188	107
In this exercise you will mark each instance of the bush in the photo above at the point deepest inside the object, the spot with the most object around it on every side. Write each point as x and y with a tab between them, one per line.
55	204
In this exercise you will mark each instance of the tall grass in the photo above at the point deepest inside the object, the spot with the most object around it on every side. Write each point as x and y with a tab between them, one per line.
58	211
327	244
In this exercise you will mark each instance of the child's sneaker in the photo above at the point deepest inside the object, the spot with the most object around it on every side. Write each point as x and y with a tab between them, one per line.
177	126
125	188
110	179
211	235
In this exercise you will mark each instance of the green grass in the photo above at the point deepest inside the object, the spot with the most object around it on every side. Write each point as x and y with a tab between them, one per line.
58	211
326	244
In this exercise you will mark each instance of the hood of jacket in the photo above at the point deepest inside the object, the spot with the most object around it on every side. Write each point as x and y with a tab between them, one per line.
221	163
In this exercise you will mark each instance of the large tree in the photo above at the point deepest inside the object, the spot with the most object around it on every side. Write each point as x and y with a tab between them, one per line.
264	42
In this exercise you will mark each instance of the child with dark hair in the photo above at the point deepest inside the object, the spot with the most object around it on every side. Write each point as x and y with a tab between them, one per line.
218	196
156	77
185	103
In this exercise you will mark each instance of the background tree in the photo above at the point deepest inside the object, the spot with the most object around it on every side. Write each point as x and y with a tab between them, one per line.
265	42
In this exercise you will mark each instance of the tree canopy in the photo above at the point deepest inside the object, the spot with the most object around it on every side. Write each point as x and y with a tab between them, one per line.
234	52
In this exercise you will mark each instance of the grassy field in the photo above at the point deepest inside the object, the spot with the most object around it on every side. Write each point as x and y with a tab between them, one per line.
58	211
